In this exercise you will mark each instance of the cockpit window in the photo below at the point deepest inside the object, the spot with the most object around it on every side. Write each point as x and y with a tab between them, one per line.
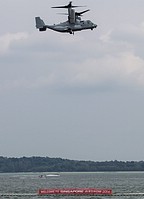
88	21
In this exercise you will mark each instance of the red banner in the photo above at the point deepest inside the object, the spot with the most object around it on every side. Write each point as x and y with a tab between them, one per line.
75	191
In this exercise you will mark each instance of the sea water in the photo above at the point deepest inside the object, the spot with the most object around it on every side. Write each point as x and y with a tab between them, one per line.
119	182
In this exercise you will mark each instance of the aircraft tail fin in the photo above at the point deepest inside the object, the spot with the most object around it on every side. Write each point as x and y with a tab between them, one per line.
40	24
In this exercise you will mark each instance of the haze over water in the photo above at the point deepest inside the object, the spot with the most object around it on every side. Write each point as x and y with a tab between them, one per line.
126	182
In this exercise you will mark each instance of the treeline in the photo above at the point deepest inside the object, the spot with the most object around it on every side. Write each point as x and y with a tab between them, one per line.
47	164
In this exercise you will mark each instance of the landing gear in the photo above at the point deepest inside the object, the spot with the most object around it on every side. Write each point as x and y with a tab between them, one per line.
71	32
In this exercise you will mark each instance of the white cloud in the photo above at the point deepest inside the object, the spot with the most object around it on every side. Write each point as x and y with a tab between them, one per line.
59	60
126	34
121	69
7	39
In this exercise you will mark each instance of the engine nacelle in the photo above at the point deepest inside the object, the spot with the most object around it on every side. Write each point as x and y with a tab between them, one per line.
72	16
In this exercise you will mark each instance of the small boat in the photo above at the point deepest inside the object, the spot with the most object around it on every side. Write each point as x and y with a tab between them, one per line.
52	175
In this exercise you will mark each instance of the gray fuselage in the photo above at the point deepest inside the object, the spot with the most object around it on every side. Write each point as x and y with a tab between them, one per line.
72	27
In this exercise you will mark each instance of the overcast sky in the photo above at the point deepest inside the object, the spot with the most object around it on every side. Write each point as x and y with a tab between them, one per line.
78	97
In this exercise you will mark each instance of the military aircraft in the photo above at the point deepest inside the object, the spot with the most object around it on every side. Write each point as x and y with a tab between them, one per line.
74	22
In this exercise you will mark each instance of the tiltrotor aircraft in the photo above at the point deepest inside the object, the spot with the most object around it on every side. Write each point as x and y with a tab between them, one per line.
74	22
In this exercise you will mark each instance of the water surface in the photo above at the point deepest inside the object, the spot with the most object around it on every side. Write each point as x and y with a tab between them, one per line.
119	182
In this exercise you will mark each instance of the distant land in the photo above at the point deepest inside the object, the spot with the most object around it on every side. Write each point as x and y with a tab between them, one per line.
47	164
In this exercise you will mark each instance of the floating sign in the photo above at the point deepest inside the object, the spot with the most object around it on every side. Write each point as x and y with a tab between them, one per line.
75	191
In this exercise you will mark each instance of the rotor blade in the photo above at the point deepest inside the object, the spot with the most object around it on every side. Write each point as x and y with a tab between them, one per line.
80	13
76	13
62	13
67	6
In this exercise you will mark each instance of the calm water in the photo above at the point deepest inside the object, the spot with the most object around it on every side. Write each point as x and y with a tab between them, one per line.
31	182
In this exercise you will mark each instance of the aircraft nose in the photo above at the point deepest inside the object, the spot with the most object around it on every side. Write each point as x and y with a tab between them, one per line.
95	25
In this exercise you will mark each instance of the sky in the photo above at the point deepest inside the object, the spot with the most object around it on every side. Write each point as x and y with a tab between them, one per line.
79	96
